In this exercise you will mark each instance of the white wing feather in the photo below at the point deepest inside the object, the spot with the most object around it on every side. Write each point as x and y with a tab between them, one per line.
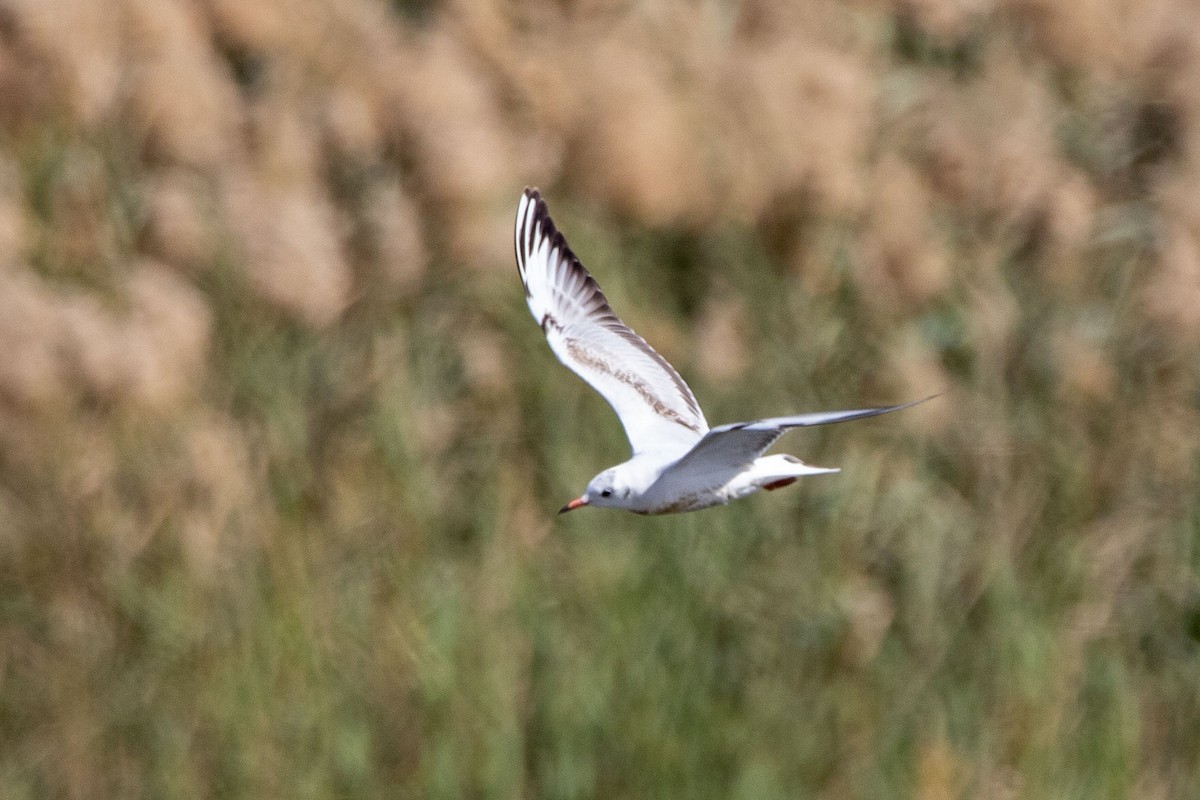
657	409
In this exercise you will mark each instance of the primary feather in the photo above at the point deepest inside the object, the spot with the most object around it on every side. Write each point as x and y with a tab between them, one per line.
655	406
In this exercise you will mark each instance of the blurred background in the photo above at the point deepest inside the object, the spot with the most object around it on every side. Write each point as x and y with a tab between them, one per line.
280	446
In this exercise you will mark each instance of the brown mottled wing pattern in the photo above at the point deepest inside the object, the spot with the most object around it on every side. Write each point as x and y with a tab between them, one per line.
655	406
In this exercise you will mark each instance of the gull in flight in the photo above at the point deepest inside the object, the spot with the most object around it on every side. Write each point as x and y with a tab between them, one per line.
678	462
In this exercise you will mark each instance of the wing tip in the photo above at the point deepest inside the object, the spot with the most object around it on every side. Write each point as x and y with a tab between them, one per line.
538	225
525	228
534	229
912	403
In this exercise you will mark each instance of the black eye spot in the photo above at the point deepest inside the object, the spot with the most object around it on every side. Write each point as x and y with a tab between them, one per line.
606	493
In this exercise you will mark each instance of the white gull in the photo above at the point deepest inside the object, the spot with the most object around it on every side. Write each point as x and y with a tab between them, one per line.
678	462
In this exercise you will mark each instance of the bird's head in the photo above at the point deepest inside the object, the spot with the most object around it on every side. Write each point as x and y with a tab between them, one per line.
605	490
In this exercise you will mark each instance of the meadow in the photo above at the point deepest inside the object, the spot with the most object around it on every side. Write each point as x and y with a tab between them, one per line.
281	447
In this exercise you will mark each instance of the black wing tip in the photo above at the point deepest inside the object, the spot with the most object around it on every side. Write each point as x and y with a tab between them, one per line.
900	406
540	226
600	310
877	410
912	403
541	221
544	225
525	230
546	228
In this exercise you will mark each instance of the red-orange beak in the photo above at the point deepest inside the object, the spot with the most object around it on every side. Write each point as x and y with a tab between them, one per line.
574	504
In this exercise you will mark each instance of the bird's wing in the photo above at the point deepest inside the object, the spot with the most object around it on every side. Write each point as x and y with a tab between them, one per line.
733	447
656	407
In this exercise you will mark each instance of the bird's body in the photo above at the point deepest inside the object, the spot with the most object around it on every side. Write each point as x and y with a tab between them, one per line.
655	488
678	463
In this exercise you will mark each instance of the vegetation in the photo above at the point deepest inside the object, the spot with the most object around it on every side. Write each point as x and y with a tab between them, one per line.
280	447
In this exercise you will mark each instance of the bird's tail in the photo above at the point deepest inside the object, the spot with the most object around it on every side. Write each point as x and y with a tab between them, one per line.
775	472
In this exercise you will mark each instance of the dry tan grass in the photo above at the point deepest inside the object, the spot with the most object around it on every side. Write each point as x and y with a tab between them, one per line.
269	445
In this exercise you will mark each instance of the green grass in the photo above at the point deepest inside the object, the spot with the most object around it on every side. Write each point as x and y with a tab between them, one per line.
404	615
336	569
